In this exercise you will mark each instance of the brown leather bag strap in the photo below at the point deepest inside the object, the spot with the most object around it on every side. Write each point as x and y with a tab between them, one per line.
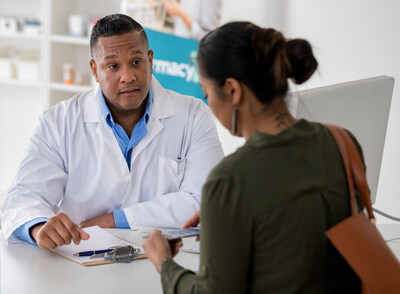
346	161
359	174
350	154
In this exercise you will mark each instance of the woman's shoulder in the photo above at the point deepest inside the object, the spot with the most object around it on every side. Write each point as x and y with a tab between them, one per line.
232	164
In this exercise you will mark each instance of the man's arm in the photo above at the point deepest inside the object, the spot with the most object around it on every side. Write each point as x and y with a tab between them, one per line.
203	152
23	232
40	181
57	231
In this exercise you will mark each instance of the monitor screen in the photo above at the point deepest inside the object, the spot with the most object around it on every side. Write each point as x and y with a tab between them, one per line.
360	106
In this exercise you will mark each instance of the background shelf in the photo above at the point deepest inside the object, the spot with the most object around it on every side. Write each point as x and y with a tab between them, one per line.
21	83
70	88
63	39
21	36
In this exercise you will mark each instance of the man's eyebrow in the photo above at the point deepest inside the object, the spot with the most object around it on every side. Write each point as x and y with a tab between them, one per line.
134	52
110	57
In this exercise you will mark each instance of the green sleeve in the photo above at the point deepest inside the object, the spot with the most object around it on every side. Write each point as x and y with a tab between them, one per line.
225	247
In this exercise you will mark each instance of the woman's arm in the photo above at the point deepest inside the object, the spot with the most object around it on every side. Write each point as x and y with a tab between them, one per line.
225	245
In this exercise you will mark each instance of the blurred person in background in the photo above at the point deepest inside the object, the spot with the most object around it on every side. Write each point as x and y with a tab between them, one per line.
193	18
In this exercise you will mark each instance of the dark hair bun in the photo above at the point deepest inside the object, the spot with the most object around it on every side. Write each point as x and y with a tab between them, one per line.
301	59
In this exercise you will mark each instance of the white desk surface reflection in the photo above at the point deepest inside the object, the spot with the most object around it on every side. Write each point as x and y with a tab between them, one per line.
28	269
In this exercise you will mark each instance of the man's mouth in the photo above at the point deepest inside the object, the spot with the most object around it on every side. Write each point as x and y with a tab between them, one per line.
129	91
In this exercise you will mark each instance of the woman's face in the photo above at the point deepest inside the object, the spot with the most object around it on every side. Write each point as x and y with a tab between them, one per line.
220	105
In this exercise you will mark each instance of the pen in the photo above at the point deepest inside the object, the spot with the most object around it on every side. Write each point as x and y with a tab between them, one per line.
92	252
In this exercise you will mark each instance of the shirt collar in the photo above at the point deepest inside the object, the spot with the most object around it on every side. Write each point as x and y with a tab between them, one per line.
107	114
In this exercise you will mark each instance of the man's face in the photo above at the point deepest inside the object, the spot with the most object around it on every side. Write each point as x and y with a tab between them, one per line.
123	66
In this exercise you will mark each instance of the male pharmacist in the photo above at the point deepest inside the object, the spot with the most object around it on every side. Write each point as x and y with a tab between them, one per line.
127	154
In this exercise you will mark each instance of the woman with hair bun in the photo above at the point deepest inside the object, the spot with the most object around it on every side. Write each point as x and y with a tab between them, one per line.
265	208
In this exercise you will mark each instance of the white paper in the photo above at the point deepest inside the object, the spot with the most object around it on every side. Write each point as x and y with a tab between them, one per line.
99	240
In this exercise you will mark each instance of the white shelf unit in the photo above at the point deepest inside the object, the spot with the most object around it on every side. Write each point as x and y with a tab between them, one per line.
20	83
21	36
64	48
69	88
83	41
21	101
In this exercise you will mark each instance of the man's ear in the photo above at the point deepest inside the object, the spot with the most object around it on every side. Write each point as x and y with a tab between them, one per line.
233	90
150	55
93	66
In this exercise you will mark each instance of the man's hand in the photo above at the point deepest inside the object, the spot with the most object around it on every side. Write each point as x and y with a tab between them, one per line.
59	230
193	222
104	221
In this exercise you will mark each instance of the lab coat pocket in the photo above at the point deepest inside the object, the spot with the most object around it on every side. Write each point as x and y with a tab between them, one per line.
170	175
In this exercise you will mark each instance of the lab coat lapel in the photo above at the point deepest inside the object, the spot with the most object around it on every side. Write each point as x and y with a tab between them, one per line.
162	108
92	114
107	135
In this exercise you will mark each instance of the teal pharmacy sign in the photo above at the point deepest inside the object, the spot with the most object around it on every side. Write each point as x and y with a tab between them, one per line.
175	63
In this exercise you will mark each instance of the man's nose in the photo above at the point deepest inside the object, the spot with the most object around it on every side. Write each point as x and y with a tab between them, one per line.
127	75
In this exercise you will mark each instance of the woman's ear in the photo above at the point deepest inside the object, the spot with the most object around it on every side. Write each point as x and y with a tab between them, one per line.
233	90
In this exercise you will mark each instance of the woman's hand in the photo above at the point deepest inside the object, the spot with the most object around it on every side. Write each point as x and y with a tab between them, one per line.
158	249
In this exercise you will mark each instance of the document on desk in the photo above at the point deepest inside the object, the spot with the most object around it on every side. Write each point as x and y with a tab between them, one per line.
99	240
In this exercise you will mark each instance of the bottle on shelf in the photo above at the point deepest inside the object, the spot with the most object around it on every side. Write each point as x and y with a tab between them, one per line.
68	73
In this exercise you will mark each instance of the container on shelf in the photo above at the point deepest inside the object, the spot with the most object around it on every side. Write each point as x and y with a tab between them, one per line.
9	25
68	73
6	63
27	66
32	26
77	25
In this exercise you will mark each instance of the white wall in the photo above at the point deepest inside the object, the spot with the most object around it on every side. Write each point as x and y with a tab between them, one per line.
261	12
265	13
18	118
352	40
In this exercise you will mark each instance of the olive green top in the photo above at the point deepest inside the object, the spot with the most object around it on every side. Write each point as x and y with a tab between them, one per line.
264	213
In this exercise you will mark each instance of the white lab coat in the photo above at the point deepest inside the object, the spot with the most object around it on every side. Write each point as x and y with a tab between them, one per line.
74	164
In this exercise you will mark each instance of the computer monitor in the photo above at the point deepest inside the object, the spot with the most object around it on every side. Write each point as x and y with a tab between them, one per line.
360	106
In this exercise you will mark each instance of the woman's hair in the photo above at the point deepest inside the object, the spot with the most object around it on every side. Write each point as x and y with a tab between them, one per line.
260	58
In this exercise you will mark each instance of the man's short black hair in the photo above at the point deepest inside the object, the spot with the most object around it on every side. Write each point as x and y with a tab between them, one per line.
113	25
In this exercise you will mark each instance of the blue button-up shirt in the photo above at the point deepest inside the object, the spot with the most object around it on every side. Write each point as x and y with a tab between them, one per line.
140	130
126	144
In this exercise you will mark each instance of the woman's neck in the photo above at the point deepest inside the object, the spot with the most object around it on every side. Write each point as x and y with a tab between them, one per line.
270	119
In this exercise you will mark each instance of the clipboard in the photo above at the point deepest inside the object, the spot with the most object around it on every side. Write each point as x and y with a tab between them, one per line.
99	239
